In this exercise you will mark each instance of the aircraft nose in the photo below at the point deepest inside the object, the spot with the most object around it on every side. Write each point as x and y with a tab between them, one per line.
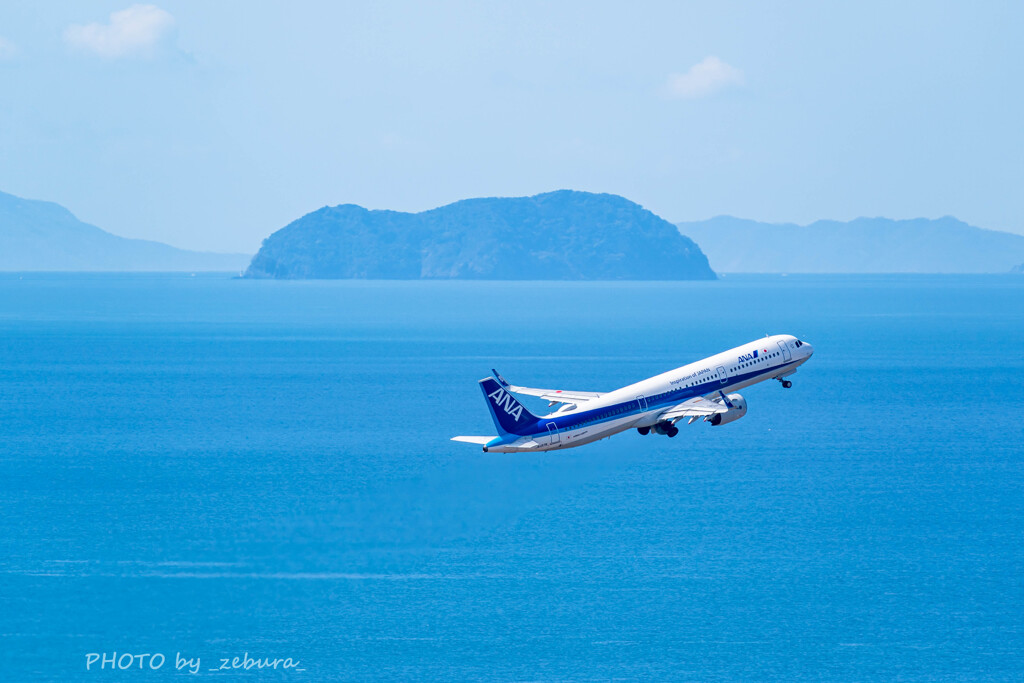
810	349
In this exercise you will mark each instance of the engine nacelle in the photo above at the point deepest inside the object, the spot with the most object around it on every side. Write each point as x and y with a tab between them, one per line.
738	410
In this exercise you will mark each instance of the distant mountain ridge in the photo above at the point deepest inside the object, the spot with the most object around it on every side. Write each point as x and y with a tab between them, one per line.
863	245
563	235
43	236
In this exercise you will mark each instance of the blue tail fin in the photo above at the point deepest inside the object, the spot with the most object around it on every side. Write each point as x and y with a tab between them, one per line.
509	415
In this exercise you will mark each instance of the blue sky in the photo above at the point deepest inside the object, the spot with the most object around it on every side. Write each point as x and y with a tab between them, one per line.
211	124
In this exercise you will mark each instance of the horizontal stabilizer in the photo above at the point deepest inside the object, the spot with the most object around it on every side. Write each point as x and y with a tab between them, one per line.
480	440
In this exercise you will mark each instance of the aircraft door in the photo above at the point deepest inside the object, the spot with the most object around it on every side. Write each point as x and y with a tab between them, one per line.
552	433
786	355
721	374
641	402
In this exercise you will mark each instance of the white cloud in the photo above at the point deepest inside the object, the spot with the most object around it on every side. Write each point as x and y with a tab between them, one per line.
7	49
137	30
702	79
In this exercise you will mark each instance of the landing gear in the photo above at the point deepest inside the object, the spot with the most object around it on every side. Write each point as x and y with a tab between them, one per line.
666	428
786	384
644	431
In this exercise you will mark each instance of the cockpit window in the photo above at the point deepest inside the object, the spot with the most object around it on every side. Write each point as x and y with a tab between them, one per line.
799	343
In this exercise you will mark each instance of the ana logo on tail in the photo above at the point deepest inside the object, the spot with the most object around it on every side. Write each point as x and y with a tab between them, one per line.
504	400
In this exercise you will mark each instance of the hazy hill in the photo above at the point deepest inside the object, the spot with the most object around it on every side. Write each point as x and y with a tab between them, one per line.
37	235
562	235
864	245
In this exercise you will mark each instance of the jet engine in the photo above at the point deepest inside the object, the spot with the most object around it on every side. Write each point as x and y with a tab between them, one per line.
735	412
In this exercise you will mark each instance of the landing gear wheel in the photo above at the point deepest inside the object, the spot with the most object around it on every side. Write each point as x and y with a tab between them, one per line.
786	384
644	431
672	432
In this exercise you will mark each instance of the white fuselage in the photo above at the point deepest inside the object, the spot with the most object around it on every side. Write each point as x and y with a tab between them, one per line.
643	403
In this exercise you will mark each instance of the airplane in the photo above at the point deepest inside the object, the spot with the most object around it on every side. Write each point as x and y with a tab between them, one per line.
696	391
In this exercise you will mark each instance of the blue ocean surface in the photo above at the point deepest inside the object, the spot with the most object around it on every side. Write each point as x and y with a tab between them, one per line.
204	467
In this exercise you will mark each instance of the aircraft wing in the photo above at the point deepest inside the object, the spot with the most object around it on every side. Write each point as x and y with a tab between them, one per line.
552	395
694	408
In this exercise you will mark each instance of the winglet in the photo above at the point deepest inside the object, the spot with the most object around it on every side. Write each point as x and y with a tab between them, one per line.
501	380
725	399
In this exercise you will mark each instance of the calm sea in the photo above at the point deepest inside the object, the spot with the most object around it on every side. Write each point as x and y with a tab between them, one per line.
204	467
